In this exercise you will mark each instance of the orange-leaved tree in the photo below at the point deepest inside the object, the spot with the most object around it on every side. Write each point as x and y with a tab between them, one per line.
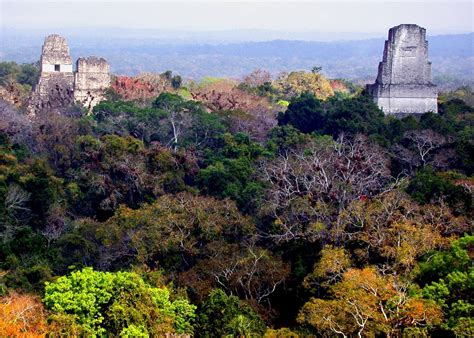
22	315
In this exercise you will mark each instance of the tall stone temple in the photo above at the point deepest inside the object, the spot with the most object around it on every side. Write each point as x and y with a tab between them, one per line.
59	86
404	84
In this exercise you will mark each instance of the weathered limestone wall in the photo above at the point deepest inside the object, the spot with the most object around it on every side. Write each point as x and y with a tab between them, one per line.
403	84
56	83
91	79
55	52
50	68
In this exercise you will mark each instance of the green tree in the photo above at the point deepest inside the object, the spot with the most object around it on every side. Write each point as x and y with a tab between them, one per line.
305	113
465	149
334	116
8	72
230	170
29	74
185	122
358	114
221	315
127	118
25	74
450	278
114	303
171	120
428	186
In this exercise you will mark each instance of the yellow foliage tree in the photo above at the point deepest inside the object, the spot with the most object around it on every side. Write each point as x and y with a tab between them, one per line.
280	333
397	229
296	83
365	303
329	268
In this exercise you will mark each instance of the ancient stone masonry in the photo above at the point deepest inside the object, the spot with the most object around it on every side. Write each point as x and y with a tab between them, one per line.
90	81
56	83
403	84
59	87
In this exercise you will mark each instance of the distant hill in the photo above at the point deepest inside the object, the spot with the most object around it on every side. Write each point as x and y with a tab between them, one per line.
452	56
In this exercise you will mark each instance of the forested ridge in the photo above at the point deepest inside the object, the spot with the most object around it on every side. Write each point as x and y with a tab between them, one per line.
198	55
266	207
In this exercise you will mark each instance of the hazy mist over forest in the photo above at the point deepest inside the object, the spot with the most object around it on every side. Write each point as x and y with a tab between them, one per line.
225	54
356	17
210	38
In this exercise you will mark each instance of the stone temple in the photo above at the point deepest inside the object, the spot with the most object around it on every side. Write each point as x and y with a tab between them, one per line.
60	87
404	84
90	80
55	88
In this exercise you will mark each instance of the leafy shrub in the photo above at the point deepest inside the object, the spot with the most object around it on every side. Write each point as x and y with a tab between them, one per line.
115	303
221	315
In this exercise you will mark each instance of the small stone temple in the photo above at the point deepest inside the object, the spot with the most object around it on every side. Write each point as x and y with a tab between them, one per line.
90	80
404	84
59	86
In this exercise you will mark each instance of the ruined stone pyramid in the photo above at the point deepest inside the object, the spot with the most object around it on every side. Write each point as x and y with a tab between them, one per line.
404	84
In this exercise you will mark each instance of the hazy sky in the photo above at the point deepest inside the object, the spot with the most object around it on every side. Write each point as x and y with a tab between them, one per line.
445	16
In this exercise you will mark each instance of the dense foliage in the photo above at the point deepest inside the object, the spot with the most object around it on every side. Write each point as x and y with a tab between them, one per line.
116	303
203	211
